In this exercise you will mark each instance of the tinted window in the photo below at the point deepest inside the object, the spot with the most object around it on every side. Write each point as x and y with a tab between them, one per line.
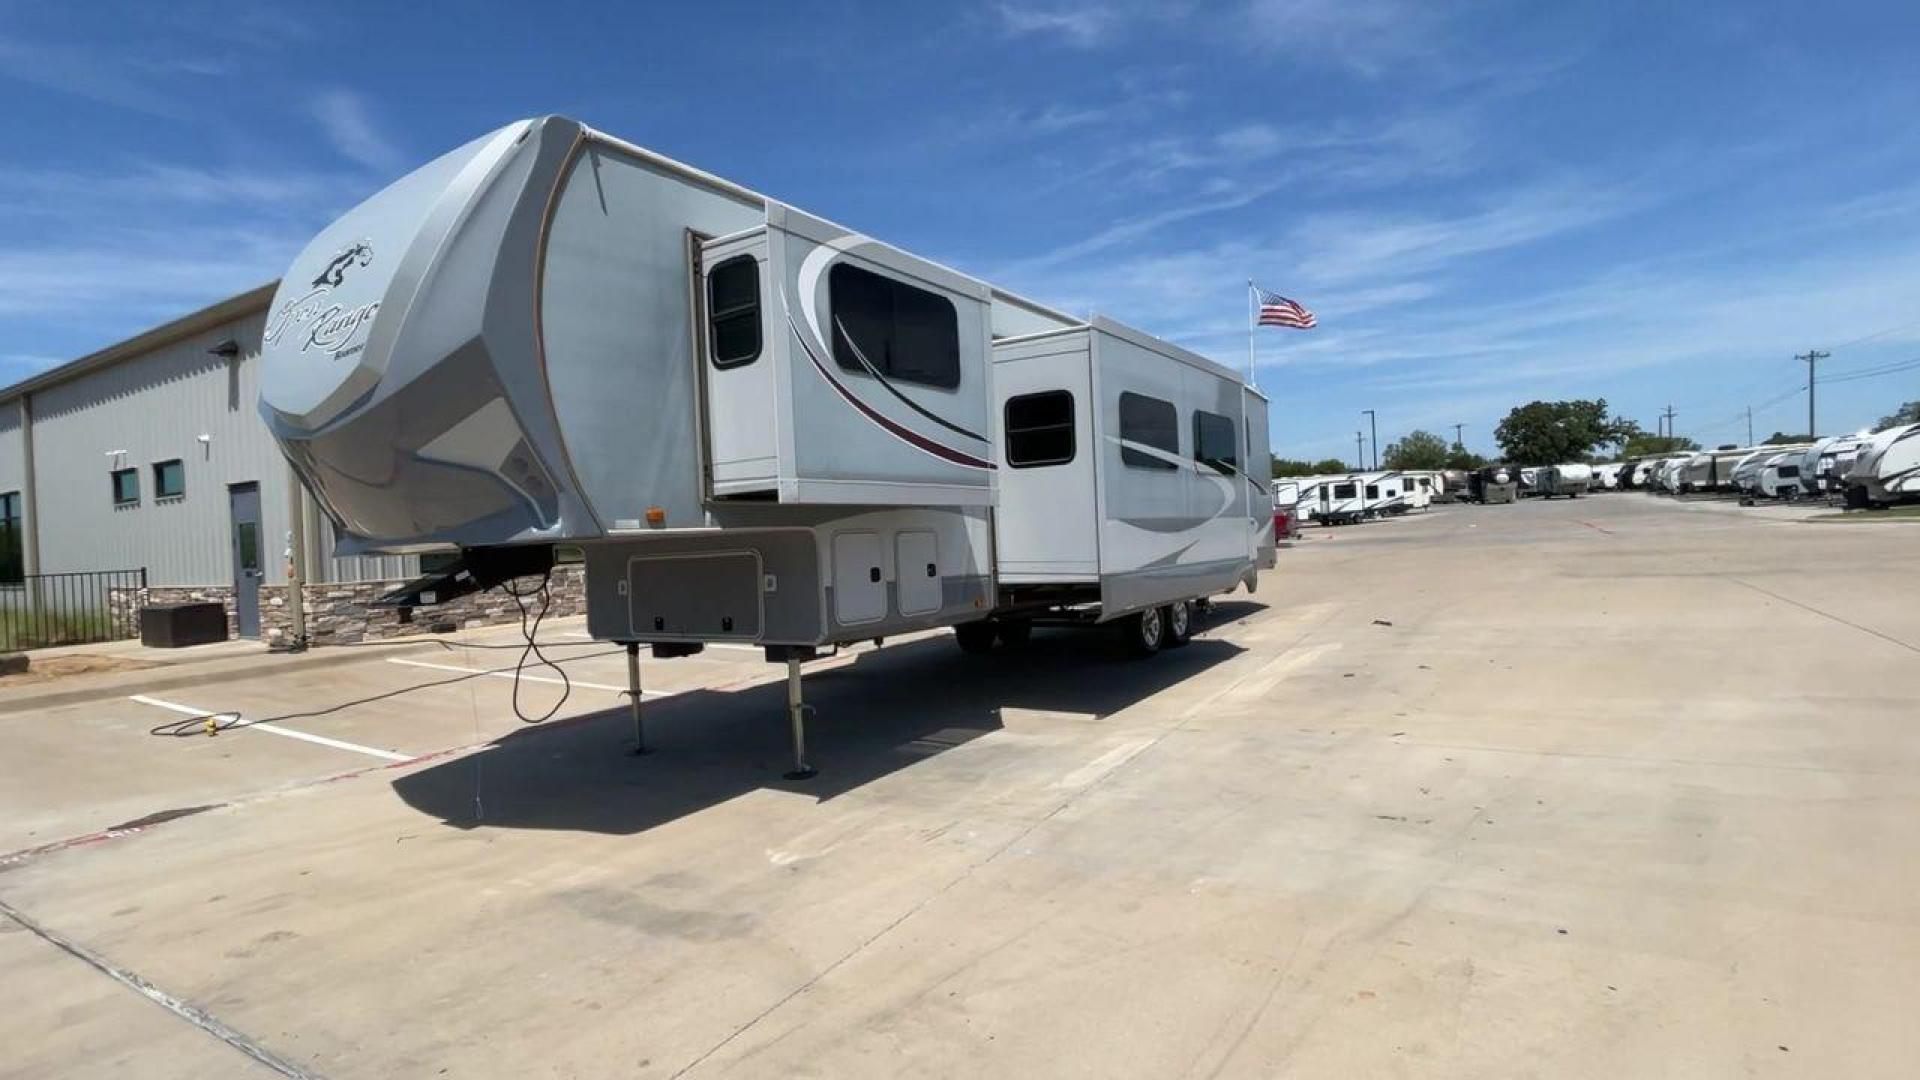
1149	422
733	311
904	332
126	486
1788	472
169	479
1373	491
1343	491
1039	429
1214	443
11	564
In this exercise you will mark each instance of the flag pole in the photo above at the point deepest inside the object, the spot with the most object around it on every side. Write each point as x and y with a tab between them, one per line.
1252	319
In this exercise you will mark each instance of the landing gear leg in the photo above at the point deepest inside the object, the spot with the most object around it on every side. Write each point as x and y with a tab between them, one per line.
797	710
633	699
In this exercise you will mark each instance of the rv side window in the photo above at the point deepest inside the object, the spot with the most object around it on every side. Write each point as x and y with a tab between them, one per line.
1039	429
902	332
1373	491
1213	442
1149	422
1343	491
733	312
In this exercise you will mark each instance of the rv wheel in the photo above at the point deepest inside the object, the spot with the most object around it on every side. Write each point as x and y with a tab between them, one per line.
974	638
1144	632
1014	633
1179	621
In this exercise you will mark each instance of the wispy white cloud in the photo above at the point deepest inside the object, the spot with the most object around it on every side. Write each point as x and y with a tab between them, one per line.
1370	37
1083	25
349	126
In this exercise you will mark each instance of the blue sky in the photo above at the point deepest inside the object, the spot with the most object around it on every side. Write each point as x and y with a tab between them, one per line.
1486	203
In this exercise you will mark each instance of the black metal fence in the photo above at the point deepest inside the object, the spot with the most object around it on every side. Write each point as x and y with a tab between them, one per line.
38	610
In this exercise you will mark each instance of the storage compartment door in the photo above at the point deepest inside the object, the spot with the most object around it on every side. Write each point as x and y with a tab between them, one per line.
705	597
859	589
917	565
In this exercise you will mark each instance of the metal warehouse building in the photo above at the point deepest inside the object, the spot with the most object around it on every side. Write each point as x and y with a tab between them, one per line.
150	458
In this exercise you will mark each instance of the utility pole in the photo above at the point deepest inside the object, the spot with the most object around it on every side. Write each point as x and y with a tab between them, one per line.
1668	418
1812	357
1749	425
1373	422
1457	441
1359	451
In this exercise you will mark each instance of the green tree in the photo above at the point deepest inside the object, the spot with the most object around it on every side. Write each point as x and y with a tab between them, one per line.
1641	444
1781	438
1416	450
1462	458
1329	465
1291	467
1551	432
1905	414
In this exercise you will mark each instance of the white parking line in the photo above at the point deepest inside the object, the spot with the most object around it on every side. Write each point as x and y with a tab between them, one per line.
274	729
581	683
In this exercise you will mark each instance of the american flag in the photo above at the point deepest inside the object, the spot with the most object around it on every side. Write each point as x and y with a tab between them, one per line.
1277	310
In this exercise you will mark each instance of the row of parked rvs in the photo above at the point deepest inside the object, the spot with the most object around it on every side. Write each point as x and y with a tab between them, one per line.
1868	470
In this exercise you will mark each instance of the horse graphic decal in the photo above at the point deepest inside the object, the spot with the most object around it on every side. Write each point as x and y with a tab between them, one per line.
359	254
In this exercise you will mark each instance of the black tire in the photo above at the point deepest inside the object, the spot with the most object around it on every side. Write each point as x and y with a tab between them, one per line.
974	638
1142	633
1014	633
1178	618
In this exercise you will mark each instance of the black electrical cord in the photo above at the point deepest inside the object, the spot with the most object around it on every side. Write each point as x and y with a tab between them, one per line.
232	720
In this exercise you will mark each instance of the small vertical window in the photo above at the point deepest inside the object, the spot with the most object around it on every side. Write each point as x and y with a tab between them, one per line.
887	327
1040	429
733	312
12	561
126	487
1214	443
1148	422
169	479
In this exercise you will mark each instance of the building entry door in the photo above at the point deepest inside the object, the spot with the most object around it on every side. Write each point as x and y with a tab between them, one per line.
243	507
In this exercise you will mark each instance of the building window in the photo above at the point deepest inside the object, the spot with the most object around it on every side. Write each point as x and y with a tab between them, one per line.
900	332
126	487
1039	429
12	559
1213	443
169	480
733	312
1148	422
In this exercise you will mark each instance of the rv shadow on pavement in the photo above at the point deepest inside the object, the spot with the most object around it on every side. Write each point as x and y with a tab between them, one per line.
884	712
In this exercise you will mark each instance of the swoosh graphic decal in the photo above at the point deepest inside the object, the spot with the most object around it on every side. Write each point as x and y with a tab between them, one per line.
898	430
891	389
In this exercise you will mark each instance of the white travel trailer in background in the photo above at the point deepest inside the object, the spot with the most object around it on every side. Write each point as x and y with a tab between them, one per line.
1529	481
1332	500
756	426
1825	464
1383	493
1606	477
1887	469
1779	478
1571	480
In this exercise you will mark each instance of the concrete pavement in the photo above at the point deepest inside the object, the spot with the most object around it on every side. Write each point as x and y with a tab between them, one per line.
1607	787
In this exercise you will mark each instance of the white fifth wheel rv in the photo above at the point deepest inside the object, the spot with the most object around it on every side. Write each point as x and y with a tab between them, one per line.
1571	480
1887	469
1821	466
756	426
